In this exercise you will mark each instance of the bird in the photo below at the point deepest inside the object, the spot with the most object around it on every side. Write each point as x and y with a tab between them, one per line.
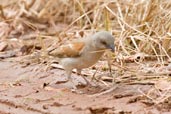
83	53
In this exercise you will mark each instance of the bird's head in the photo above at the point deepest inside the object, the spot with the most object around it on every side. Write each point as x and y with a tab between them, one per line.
104	40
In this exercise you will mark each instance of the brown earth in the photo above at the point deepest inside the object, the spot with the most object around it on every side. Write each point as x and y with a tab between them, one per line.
25	90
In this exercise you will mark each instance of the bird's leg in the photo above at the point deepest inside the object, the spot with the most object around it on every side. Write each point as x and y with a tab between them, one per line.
79	73
69	72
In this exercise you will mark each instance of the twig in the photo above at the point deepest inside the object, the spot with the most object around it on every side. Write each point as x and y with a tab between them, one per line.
104	92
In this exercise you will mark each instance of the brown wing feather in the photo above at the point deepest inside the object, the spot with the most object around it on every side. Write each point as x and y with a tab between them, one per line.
70	50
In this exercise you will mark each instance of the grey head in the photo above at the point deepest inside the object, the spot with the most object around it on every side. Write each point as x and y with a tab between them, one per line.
103	40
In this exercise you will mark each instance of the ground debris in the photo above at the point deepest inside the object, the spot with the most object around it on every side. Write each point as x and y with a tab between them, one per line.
165	105
118	96
56	104
121	112
101	110
8	54
148	102
136	99
3	46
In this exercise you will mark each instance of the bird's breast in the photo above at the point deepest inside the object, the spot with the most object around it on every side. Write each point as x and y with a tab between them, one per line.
88	60
84	61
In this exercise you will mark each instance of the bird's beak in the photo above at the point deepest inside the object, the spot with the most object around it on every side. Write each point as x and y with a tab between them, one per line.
112	47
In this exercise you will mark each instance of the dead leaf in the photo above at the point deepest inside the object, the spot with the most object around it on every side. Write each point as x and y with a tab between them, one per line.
3	46
8	54
163	85
56	104
100	110
4	30
26	49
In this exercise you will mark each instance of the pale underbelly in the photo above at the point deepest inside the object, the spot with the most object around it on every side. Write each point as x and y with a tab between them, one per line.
80	62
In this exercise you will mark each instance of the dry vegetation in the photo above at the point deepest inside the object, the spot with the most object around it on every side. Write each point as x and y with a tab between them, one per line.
142	29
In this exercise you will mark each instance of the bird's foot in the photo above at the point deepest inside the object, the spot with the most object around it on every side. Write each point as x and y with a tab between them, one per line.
89	83
72	85
74	88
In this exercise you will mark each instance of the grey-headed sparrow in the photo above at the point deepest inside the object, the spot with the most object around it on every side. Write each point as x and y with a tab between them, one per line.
84	52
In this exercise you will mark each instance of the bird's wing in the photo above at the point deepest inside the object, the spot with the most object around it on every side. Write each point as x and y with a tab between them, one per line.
73	49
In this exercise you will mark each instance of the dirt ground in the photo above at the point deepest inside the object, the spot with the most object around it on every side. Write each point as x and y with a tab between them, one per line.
24	89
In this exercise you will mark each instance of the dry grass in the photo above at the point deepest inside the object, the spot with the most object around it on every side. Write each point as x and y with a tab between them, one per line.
139	26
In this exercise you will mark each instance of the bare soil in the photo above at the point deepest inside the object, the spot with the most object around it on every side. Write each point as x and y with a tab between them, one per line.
25	90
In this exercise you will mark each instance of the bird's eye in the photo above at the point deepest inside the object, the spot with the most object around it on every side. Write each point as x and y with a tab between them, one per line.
103	42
